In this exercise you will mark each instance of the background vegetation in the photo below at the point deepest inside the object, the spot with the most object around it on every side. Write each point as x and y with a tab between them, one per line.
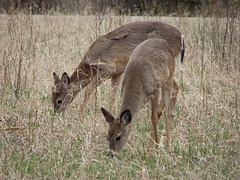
37	144
133	7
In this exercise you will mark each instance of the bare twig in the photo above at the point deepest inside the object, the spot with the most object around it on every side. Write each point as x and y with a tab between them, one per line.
14	128
236	124
19	75
225	36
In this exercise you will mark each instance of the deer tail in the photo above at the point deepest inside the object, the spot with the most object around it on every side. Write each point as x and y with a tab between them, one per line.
181	54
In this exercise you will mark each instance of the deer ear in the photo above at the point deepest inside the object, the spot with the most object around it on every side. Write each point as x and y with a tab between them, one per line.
126	117
56	79
109	118
65	80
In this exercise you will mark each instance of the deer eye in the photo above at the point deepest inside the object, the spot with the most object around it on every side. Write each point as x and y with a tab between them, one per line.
118	138
59	101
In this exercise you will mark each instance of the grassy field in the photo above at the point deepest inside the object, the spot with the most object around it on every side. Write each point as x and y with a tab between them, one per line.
37	144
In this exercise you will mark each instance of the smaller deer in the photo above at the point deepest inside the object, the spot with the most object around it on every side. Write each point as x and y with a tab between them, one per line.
151	67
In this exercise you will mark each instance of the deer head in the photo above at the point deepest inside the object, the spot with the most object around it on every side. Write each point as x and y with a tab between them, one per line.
119	129
62	96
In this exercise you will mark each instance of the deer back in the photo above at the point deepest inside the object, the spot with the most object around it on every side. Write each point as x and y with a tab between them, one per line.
116	47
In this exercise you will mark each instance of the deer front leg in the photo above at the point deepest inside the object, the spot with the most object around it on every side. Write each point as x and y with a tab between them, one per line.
161	107
173	101
85	102
173	98
166	96
115	84
89	89
154	119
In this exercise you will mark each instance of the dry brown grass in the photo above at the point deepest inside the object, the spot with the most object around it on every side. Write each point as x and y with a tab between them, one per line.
205	137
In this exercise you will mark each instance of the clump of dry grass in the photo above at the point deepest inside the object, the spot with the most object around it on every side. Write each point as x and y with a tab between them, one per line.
205	135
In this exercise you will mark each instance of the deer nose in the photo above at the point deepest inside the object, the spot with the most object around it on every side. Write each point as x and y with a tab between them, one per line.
59	101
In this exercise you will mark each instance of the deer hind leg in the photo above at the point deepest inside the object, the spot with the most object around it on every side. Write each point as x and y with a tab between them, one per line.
115	84
166	96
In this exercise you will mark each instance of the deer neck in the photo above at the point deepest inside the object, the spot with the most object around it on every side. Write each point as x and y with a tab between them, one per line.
132	100
78	81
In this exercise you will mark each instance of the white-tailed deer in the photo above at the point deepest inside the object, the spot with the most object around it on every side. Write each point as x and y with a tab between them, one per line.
151	67
108	57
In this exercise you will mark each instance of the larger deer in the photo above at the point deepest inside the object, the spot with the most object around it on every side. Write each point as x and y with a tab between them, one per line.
151	67
108	57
